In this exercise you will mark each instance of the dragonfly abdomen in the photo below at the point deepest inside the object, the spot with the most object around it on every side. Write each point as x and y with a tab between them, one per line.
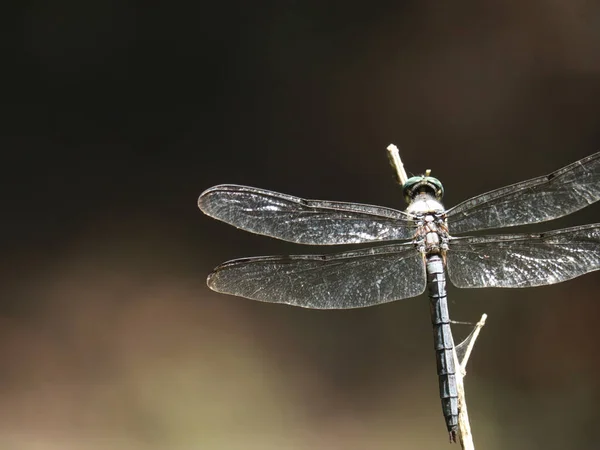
443	343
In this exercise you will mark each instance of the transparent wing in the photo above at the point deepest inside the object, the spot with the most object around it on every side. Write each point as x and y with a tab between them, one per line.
304	221
537	200
524	260
339	281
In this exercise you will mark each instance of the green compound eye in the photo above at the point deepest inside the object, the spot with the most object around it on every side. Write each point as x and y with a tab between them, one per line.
424	182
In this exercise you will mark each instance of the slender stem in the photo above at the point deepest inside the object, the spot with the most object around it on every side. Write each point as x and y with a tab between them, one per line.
465	436
396	162
464	427
471	344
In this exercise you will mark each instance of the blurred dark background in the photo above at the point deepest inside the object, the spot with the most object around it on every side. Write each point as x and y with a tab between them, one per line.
115	117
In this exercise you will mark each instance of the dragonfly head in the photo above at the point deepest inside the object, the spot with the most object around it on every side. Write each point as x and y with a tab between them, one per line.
422	183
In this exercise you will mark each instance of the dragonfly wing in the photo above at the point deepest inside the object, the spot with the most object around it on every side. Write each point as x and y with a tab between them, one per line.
304	221
537	200
354	279
524	260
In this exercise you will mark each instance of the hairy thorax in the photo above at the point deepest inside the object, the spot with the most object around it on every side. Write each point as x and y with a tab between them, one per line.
431	236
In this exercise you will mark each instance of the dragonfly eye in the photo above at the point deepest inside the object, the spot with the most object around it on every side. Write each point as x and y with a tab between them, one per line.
423	183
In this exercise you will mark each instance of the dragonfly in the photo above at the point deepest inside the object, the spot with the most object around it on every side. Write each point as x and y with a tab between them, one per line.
430	248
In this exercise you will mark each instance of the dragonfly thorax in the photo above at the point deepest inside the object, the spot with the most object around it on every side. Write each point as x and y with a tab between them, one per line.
424	203
431	236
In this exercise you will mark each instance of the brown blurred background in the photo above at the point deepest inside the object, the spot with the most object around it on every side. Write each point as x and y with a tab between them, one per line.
115	117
